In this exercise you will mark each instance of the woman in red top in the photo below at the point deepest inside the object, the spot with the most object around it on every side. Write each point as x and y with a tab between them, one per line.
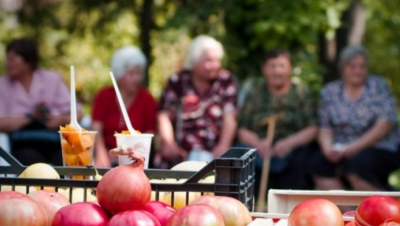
127	64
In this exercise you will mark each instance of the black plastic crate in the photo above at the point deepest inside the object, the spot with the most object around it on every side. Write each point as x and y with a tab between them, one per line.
234	177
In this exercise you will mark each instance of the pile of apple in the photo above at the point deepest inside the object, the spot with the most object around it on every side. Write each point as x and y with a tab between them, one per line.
123	197
372	211
49	208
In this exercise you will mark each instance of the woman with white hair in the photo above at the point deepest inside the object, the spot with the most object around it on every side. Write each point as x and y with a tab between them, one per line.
359	132
128	64
197	110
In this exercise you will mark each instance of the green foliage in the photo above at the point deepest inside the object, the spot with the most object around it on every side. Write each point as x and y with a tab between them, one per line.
76	33
85	33
170	52
248	28
382	40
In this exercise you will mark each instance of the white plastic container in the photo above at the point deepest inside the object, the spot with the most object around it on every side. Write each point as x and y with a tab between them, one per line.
141	143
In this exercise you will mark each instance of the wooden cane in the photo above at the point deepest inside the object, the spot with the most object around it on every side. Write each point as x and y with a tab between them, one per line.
270	121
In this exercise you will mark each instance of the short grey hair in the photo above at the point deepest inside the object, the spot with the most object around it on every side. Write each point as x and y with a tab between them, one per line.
198	46
128	56
349	53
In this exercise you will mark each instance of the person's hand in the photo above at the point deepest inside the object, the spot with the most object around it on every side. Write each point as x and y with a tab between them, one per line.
40	111
349	151
264	148
55	121
282	148
219	150
171	150
333	155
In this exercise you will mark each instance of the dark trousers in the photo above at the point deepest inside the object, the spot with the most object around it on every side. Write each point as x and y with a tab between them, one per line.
372	164
30	147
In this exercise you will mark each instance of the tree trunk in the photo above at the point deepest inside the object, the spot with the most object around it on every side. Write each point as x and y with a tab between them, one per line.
357	31
327	57
146	26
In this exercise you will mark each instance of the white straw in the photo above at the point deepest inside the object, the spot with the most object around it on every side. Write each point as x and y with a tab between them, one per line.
122	105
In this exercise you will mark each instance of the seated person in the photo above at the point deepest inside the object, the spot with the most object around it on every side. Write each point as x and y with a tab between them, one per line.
197	110
295	129
128	65
34	103
359	133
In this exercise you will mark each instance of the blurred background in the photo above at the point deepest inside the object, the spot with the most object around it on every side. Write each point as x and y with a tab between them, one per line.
84	33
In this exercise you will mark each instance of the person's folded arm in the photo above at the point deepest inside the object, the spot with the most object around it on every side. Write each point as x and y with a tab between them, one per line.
248	137
303	137
325	138
228	131
284	146
169	147
165	127
378	131
9	124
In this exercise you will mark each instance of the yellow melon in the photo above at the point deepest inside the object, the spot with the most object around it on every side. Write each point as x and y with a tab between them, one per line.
78	195
42	171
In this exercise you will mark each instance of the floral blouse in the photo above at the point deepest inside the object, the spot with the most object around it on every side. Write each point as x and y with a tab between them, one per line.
197	118
350	119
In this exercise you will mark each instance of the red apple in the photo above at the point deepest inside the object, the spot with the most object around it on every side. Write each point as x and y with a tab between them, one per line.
351	223
81	214
232	210
21	211
376	210
50	201
390	224
134	218
11	194
316	212
196	215
160	210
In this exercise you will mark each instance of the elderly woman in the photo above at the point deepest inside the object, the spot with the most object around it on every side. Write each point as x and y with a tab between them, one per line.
34	102
296	125
359	134
198	105
128	64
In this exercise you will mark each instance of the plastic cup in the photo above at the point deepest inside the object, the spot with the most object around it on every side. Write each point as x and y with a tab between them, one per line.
77	150
200	155
139	142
